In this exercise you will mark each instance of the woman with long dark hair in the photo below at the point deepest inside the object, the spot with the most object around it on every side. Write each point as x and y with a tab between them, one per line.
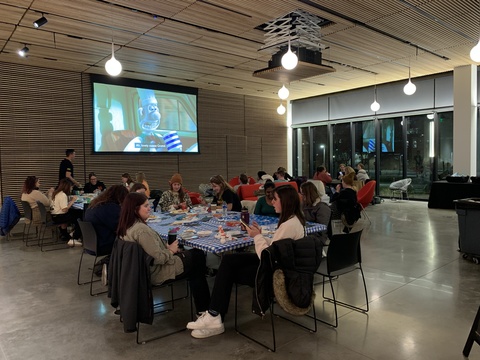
223	191
32	194
169	263
63	213
242	267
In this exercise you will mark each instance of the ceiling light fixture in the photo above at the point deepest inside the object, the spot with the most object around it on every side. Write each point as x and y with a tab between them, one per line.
40	22
375	105
409	88
24	51
289	60
113	66
283	93
281	109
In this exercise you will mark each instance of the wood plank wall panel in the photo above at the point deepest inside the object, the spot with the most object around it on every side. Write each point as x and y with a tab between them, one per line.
43	112
262	120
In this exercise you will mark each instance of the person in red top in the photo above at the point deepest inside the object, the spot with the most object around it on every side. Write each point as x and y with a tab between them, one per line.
323	175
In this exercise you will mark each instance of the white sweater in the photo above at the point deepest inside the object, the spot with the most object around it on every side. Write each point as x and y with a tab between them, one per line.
290	229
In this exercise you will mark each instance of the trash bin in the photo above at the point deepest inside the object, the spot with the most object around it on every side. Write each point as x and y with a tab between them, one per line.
468	211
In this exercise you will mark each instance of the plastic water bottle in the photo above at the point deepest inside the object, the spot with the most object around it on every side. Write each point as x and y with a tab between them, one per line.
224	209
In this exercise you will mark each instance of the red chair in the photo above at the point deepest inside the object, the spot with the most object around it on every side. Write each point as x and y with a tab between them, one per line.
365	196
235	181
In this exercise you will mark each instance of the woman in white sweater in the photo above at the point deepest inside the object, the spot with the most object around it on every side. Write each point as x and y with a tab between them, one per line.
32	194
242	267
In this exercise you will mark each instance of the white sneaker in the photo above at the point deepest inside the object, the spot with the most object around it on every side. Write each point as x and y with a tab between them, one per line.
73	242
205	333
206	321
104	275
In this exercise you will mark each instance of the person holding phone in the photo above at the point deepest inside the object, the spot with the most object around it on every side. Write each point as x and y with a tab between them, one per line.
241	268
169	263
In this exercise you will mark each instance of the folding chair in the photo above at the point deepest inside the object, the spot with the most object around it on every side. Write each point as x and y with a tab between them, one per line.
28	215
90	247
44	224
473	336
343	256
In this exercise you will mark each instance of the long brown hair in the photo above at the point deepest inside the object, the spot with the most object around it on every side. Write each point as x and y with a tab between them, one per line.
220	181
115	194
310	193
128	177
129	213
290	204
64	185
29	184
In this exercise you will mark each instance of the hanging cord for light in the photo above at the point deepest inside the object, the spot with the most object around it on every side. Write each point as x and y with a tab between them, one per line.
375	105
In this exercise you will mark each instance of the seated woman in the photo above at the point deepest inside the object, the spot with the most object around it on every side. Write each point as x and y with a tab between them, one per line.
168	262
344	202
93	185
314	209
264	205
127	181
176	197
141	178
139	188
362	174
63	213
243	181
104	212
32	194
224	192
242	267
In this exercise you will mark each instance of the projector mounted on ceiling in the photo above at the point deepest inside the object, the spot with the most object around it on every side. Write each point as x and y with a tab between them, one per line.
309	65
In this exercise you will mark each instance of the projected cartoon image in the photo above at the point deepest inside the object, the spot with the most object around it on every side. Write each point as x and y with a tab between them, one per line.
132	119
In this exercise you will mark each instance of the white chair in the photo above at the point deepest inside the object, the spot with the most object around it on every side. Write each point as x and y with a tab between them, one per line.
400	187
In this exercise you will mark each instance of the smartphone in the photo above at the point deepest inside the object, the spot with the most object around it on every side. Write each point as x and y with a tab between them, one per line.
244	224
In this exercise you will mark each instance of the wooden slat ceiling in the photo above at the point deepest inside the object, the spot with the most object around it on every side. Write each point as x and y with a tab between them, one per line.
215	44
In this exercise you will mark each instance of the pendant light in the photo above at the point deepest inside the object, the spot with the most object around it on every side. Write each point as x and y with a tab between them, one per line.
409	88
375	105
113	66
281	109
289	59
283	93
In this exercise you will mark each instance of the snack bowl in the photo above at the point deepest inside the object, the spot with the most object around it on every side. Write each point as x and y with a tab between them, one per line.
203	233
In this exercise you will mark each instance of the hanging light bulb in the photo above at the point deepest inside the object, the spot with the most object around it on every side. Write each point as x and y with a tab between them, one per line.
289	59
283	93
409	88
281	109
113	66
375	105
475	52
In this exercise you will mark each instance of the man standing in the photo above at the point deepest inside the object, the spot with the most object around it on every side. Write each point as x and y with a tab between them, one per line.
66	168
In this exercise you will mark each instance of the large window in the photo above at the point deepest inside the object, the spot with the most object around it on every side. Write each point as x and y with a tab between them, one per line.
391	153
321	152
342	146
365	150
302	152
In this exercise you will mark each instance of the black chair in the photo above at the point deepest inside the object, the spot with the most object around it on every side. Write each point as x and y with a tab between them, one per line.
314	246
45	224
90	247
129	269
343	256
155	194
473	336
28	215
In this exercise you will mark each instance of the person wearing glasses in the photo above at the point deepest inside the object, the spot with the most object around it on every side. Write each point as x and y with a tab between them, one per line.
264	205
93	185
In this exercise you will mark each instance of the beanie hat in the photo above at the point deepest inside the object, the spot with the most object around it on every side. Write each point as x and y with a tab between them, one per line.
176	178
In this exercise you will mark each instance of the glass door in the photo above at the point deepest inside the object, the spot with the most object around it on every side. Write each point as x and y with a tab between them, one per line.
321	153
342	147
391	153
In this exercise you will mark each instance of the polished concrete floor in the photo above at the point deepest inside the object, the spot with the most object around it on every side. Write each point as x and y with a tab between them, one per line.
423	297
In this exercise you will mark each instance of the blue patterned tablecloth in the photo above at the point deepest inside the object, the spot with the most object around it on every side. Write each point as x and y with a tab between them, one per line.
164	222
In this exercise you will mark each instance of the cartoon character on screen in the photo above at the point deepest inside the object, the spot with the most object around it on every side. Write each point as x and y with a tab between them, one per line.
151	139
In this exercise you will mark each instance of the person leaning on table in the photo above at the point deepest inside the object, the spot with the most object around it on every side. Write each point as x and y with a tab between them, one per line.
169	263
241	268
224	192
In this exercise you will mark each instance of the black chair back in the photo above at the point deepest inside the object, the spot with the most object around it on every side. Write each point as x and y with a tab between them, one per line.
89	236
27	210
343	251
43	212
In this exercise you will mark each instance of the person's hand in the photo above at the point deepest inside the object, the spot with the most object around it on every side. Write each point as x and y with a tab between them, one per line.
74	198
338	187
253	229
173	247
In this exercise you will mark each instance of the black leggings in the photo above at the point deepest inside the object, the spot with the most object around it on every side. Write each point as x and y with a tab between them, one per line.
194	269
240	268
70	217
